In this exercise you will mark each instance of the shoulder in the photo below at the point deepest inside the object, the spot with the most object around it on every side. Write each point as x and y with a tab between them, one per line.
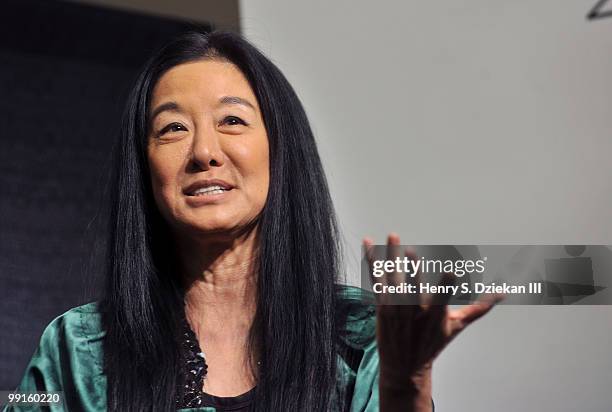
358	350
69	357
357	314
84	318
76	327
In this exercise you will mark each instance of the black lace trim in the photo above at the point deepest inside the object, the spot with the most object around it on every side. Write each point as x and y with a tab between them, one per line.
194	369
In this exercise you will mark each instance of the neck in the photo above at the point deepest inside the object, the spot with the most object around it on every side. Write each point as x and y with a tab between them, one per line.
220	280
220	283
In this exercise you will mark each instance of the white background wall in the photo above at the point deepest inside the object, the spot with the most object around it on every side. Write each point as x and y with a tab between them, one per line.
467	122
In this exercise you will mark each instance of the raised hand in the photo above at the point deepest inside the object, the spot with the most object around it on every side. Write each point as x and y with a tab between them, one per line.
411	336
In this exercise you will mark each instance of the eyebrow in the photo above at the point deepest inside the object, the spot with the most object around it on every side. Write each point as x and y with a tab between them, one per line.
236	100
174	106
168	106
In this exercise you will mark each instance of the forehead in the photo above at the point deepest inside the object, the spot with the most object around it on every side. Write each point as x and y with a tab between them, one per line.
202	79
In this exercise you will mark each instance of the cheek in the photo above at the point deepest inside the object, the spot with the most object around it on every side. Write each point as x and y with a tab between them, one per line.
259	168
266	176
252	164
163	180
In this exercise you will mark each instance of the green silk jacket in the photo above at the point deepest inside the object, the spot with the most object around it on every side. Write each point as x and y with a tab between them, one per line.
69	359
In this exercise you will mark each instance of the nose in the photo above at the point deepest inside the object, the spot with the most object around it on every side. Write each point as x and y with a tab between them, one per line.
206	150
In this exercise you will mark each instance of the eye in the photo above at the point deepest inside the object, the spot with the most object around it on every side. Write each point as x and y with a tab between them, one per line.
172	127
233	121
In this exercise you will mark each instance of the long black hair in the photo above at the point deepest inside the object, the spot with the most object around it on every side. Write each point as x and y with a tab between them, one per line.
295	328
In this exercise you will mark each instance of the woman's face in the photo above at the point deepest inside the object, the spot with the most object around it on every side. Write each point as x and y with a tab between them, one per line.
207	148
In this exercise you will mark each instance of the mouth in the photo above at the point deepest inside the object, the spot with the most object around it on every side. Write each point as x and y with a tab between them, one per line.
211	190
207	188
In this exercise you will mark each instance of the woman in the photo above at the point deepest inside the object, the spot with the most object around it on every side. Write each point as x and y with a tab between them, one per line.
222	290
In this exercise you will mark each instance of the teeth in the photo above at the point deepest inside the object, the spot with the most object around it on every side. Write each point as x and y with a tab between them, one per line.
209	190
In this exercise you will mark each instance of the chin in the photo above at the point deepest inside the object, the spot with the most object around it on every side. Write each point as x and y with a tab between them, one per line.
212	227
223	228
215	223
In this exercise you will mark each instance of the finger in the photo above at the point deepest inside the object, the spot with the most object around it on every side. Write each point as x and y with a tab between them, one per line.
437	305
432	326
448	279
368	248
415	278
410	253
393	254
470	313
